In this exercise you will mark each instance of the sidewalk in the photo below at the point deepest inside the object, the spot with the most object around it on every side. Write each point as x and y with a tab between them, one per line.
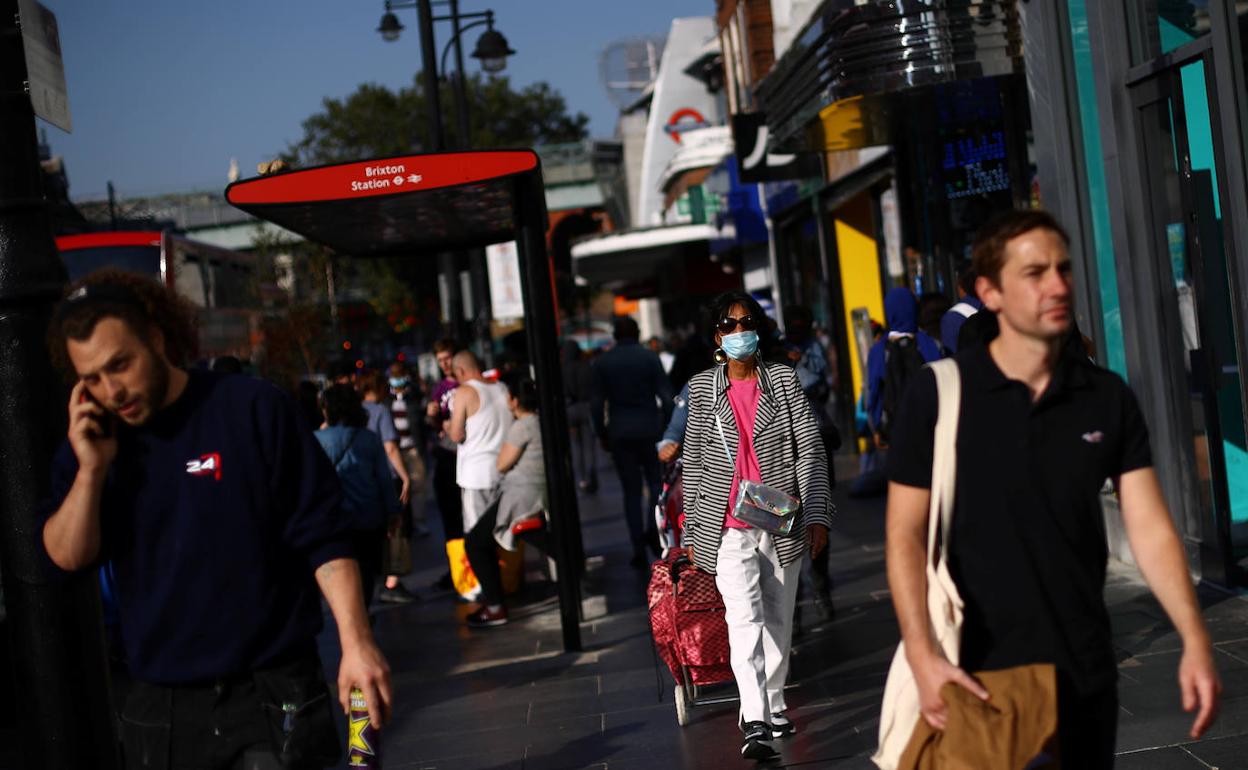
508	698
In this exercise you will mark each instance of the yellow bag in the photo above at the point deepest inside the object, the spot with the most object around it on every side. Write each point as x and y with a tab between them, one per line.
462	576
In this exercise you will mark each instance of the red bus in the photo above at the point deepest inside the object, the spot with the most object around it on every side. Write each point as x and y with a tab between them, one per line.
220	282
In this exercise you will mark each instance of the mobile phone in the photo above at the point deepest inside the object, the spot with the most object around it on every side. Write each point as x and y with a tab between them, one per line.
104	425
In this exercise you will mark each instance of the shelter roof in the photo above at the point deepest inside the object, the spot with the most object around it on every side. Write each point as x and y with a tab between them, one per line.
394	206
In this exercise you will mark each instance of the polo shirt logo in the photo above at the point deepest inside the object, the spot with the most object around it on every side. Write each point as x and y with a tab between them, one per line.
1095	437
206	465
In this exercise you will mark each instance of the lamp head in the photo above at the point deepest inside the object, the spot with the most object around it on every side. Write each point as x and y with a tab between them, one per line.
493	50
389	27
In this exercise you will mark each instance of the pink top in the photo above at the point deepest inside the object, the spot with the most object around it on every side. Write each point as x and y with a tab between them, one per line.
743	398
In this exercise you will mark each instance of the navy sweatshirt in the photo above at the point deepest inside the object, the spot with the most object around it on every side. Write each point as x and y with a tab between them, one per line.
215	516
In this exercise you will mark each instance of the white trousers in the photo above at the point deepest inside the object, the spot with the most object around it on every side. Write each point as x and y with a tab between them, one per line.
759	596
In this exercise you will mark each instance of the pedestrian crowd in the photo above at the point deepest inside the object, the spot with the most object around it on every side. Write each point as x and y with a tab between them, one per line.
224	509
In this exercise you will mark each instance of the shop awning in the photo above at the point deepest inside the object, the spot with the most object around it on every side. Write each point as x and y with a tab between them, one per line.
646	239
700	152
413	204
633	255
853	54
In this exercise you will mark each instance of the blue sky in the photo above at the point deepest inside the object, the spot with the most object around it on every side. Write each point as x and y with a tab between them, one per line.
163	93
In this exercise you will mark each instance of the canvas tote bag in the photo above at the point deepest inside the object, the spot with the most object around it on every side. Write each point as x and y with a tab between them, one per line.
900	711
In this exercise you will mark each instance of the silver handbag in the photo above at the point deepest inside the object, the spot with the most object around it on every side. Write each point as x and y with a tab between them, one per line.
760	505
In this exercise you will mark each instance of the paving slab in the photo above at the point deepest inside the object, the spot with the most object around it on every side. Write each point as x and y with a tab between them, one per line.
510	698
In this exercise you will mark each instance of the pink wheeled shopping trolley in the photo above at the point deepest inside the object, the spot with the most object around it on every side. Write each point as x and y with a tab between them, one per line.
687	621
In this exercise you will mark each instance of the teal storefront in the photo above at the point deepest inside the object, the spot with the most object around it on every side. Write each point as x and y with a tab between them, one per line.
1139	134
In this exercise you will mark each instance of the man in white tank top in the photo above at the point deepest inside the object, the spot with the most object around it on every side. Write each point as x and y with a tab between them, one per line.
479	420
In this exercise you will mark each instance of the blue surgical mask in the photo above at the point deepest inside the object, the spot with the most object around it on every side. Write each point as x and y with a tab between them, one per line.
398	382
741	345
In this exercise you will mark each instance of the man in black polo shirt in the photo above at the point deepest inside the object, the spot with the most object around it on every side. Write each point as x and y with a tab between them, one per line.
1040	430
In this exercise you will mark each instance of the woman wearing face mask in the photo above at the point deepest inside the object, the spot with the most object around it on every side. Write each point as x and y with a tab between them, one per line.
749	421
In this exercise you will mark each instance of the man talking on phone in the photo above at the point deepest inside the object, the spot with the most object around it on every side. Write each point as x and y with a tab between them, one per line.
221	517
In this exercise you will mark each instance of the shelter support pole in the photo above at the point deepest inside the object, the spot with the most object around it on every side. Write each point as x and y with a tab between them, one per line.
543	339
56	635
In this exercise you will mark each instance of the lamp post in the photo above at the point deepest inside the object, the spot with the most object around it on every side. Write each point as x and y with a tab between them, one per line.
56	652
492	51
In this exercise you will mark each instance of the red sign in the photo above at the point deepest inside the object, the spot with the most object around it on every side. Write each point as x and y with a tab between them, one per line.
685	119
106	239
388	176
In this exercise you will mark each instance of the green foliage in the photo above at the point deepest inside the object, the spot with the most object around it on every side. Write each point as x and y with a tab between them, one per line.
374	121
296	323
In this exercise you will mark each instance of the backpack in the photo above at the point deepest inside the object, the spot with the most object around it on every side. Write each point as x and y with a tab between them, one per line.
366	513
902	360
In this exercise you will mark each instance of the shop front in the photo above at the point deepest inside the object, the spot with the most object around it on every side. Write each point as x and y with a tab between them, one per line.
920	115
1141	150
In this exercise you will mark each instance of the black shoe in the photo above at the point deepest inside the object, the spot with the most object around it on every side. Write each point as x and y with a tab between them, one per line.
781	727
757	743
397	595
487	618
824	608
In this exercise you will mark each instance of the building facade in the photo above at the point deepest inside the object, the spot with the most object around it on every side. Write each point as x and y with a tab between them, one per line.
1126	118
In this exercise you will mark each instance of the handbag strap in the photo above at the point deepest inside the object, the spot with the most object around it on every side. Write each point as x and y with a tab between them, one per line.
792	431
944	459
723	438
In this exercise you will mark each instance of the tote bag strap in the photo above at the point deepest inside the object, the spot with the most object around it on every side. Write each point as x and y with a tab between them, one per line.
944	460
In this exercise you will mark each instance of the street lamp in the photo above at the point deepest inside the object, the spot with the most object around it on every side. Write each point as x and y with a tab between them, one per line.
492	51
492	47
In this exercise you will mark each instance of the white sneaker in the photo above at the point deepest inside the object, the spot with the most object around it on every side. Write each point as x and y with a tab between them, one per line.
781	727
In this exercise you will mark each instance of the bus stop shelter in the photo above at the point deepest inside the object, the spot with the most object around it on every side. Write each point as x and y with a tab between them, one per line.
416	207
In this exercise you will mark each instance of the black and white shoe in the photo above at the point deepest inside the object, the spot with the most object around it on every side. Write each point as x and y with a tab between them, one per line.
781	727
757	743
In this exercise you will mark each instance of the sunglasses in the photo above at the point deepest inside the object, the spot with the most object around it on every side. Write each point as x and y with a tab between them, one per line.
727	324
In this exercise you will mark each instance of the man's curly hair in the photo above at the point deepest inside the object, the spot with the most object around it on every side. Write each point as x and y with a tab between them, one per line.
156	307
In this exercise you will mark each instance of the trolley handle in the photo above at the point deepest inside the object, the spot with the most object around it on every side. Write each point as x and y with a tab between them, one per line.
680	561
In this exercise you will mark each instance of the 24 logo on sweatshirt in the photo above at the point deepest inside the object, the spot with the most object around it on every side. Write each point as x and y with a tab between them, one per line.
206	465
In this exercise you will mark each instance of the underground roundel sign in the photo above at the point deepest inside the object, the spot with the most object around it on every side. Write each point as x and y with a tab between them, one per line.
682	120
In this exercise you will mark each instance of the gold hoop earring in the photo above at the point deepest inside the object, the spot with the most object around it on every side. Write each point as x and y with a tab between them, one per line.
720	356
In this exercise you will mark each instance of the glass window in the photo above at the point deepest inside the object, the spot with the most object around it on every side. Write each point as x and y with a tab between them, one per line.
1098	198
136	259
1161	26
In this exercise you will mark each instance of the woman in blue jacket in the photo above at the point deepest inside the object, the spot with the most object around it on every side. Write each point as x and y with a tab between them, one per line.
368	493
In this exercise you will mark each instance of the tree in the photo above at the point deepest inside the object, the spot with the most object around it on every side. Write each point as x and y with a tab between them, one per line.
374	121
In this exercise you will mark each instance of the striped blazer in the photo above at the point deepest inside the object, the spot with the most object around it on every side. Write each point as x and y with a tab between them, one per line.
790	457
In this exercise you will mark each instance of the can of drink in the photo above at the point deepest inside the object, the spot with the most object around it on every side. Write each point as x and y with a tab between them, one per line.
364	744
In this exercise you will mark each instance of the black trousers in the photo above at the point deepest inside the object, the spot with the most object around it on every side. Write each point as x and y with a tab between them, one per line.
446	492
368	554
482	552
234	723
1087	725
636	459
